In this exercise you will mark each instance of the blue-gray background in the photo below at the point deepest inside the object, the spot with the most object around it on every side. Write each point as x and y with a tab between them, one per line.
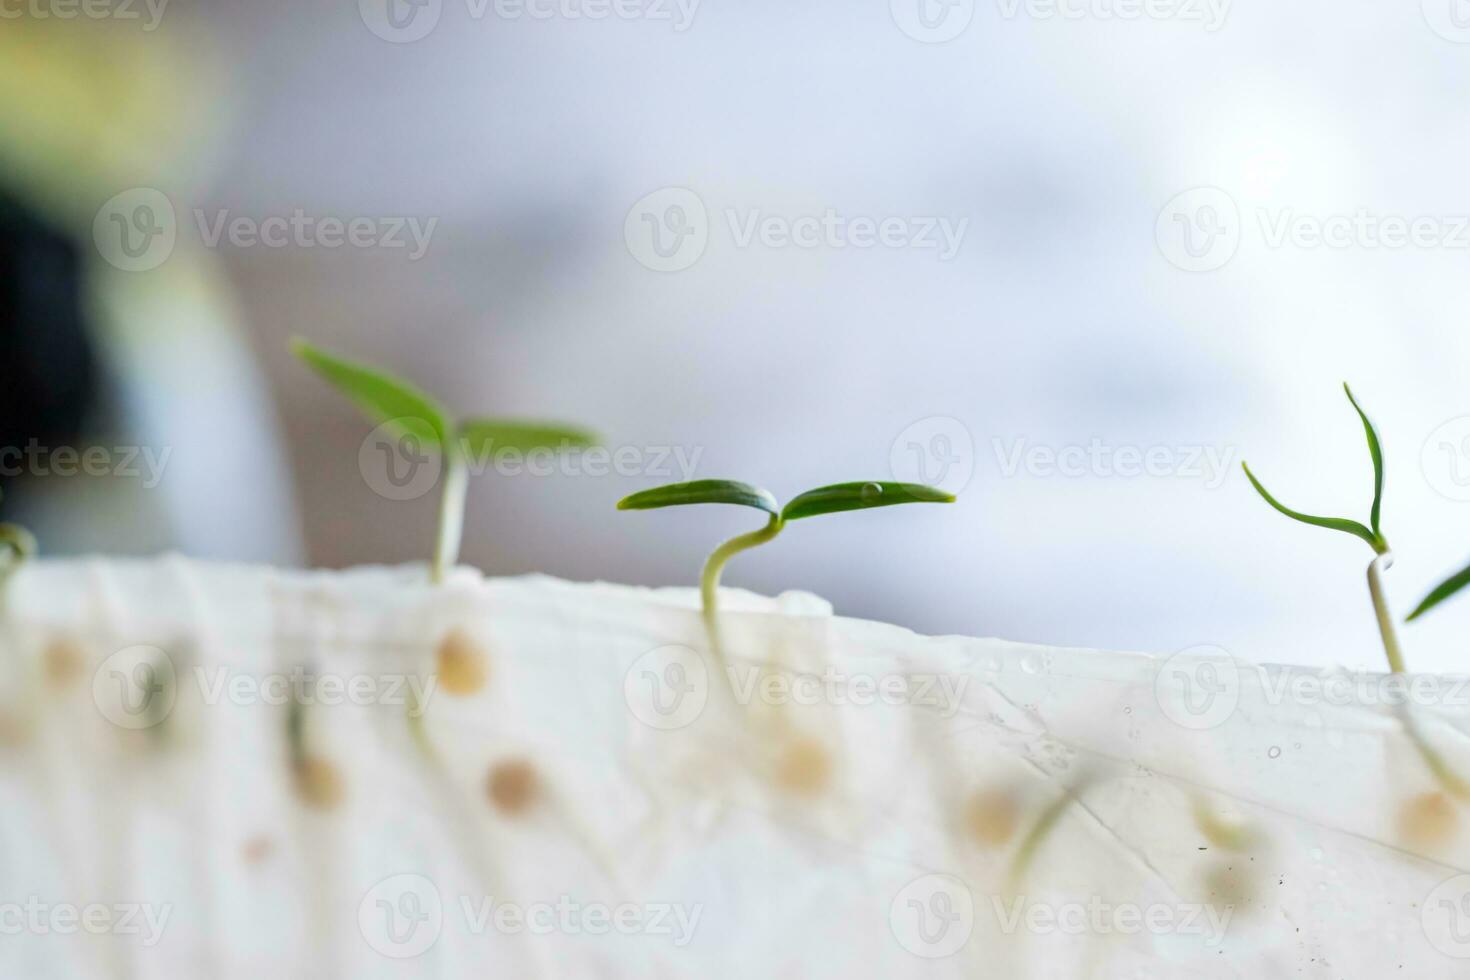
1072	314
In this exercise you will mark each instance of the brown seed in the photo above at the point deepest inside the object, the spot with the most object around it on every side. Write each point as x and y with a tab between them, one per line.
462	664
318	783
257	849
1428	821
805	766
15	728
513	786
1231	884
991	817
65	662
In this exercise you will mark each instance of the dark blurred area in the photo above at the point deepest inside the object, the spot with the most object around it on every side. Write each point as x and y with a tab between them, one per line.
48	368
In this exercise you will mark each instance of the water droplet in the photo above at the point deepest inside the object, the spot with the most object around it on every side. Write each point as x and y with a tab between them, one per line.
1274	752
871	492
1127	711
1030	663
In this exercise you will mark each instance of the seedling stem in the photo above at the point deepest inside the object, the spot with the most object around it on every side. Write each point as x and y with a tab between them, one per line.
709	583
451	514
1386	629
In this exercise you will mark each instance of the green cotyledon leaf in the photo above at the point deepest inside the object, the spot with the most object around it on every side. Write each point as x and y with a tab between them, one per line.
482	438
702	492
860	496
1442	591
1375	450
380	396
1331	523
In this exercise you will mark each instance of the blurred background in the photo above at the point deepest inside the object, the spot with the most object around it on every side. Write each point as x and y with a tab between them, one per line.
1074	259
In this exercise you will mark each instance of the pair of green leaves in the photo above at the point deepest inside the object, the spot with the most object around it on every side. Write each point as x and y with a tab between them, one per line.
411	413
1372	533
823	500
386	399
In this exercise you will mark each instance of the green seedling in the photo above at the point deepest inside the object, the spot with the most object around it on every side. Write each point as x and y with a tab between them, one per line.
823	500
1046	822
1372	533
427	427
16	546
318	781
